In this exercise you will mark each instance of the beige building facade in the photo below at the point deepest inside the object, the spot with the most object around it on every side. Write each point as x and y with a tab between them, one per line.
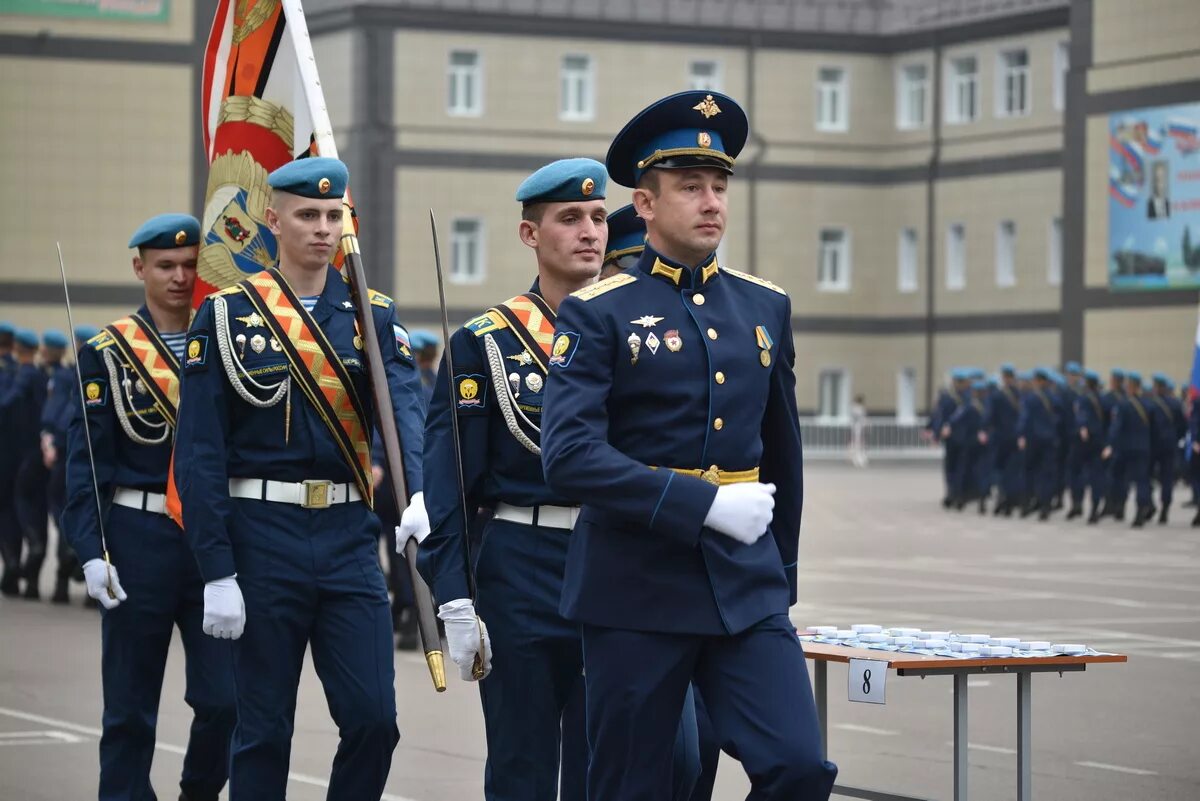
926	179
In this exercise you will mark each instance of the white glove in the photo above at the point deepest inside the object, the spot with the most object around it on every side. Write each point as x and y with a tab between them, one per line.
224	609
101	577
413	523
466	636
742	511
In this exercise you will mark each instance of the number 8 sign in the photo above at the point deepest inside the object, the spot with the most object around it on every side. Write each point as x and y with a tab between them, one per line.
868	681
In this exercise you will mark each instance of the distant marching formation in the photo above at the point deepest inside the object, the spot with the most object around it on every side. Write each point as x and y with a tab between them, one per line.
1034	437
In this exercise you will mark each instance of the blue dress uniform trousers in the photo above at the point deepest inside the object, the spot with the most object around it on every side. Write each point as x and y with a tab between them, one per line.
312	576
639	681
165	592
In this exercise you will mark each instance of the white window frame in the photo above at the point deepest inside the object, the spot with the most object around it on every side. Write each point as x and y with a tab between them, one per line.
457	274
1005	72
955	83
910	116
456	74
586	110
841	90
956	257
906	395
715	82
1062	65
1006	254
841	414
840	282
908	244
1054	253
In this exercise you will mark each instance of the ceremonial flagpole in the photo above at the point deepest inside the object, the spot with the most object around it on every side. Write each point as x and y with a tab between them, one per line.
314	103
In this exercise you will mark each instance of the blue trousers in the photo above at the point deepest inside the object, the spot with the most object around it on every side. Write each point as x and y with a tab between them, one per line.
1137	472
950	458
534	698
159	574
1041	465
311	576
710	753
1163	467
1011	467
1077	469
756	691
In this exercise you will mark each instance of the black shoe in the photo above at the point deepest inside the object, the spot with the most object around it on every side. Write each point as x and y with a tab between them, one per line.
982	506
1162	517
60	592
31	592
1151	510
1119	515
1094	517
1143	514
1196	520
1043	515
1074	513
947	502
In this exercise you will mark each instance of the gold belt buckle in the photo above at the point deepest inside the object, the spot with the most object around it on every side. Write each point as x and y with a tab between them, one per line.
712	475
316	494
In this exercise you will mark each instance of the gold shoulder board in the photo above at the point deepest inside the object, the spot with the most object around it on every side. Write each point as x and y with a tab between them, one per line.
754	279
486	323
101	340
607	285
379	299
229	290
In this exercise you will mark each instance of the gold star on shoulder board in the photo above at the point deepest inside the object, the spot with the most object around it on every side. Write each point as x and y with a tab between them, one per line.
647	321
708	107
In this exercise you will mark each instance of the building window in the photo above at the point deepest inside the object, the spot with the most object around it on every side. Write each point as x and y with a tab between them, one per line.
912	93
1062	63
466	251
577	101
906	261
1012	83
833	260
1054	255
464	84
1006	244
832	99
906	395
956	257
962	90
833	402
704	75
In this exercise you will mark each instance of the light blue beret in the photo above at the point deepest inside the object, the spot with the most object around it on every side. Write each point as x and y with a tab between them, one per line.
86	332
1091	375
1041	372
26	337
1118	373
166	231
564	181
423	339
1008	369
1134	376
1160	378
318	177
54	339
1073	368
7	328
979	385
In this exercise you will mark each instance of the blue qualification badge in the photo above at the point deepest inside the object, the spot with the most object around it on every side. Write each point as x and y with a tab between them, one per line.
471	391
196	354
565	344
95	393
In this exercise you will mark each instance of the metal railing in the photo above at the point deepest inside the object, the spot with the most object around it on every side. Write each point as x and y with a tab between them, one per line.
882	438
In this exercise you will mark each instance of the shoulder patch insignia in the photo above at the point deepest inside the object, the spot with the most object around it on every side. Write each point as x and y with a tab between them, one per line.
196	352
754	279
607	285
95	393
379	299
101	340
486	323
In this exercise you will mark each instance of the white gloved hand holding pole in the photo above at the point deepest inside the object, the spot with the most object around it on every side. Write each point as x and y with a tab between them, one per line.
224	609
101	577
414	522
742	511
466	636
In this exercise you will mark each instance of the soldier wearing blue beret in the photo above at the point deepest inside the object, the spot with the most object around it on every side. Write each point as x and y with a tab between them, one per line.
949	399
1000	431
1037	438
9	531
1169	426
1090	428
130	378
1130	437
1114	504
671	413
275	483
22	477
626	241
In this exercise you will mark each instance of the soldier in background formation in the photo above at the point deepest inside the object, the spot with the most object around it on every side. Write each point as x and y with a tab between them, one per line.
1040	439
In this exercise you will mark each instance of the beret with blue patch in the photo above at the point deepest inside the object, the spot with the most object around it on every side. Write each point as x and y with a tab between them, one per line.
166	231
1073	368
564	181
318	177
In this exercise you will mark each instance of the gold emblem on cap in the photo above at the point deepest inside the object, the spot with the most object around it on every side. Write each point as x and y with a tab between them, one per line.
708	107
704	139
323	185
588	187
180	237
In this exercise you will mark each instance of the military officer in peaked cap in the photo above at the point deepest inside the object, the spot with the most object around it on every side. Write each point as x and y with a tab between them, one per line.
273	466
130	377
671	413
626	241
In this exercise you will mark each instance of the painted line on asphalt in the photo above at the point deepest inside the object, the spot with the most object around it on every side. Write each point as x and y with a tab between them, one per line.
991	749
1117	768
865	729
38	738
299	778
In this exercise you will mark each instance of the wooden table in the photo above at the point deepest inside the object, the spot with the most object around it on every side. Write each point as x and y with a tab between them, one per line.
959	669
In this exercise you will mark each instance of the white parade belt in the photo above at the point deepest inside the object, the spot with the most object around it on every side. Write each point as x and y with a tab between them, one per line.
546	516
311	494
154	502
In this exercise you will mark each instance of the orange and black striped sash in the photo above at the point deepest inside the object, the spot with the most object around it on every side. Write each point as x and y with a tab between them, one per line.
153	362
317	369
533	322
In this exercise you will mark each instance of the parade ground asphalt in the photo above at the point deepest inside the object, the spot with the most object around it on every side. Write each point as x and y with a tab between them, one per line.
876	548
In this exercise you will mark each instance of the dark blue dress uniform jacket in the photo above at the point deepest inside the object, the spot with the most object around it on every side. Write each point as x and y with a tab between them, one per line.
1038	422
640	556
1131	428
221	436
496	468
